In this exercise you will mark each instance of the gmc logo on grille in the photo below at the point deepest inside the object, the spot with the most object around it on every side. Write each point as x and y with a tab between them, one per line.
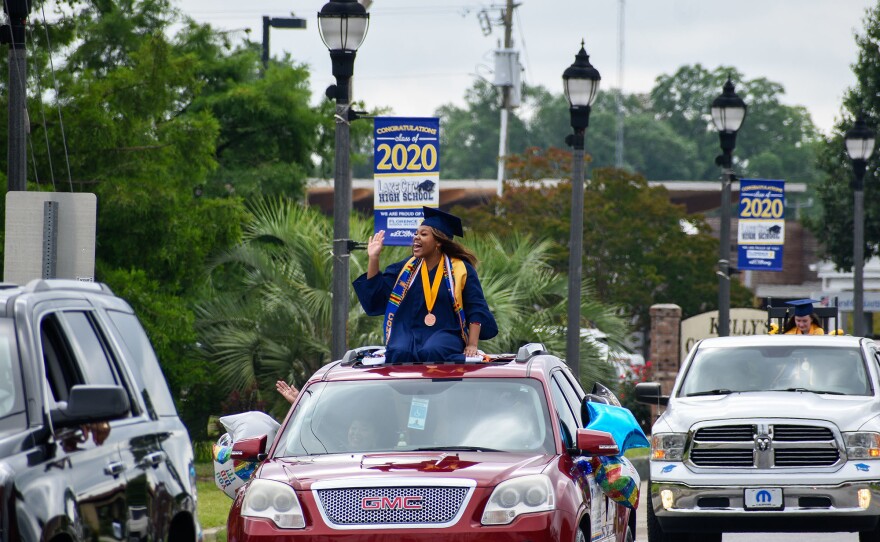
413	502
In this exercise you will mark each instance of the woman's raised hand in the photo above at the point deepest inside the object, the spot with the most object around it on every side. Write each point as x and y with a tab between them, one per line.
287	391
374	246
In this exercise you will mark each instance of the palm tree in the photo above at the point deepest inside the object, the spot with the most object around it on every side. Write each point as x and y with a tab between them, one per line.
529	301
273	322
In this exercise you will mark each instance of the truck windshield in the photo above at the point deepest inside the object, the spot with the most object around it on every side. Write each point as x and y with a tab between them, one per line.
476	414
816	369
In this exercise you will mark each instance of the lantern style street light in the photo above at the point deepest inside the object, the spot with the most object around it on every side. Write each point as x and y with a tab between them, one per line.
343	26
581	84
859	146
728	113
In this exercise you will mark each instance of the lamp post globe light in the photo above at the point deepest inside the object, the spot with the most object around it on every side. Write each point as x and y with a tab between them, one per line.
859	146
581	84
728	114
343	26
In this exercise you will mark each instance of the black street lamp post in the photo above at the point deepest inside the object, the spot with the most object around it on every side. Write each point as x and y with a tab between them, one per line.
728	113
581	83
859	146
343	26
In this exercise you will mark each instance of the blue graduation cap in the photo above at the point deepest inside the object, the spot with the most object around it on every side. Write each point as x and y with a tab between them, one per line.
442	221
802	307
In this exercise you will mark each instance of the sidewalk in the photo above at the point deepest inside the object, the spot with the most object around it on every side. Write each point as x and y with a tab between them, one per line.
210	535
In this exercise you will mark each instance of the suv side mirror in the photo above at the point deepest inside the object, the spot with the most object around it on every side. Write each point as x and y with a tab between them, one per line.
594	442
249	449
650	393
91	404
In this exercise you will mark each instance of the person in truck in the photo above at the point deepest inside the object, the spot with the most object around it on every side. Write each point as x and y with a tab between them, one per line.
804	321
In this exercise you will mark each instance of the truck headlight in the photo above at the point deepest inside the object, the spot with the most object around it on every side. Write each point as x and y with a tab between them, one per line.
275	501
668	446
522	495
862	445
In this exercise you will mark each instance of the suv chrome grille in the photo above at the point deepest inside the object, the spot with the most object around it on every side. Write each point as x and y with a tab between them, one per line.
391	505
764	446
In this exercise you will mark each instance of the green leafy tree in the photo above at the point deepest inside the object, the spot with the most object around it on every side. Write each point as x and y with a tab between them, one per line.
652	147
469	135
668	133
775	141
834	226
157	109
636	249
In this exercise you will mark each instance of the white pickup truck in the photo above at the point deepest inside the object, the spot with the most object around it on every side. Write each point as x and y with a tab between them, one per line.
773	433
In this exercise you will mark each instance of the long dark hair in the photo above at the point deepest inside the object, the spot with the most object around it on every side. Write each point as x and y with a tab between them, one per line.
453	248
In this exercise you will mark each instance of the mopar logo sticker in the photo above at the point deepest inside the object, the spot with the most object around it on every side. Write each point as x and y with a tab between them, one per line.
668	468
763	496
863	467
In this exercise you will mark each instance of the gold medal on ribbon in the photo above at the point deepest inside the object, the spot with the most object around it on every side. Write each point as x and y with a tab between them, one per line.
431	290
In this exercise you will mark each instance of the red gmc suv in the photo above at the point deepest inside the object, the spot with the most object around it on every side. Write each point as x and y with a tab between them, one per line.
434	451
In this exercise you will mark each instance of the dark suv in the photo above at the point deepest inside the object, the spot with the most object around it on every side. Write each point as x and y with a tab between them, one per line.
432	451
91	446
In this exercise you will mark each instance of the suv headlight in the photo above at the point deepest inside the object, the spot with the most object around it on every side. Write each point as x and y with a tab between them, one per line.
862	445
523	495
668	446
273	500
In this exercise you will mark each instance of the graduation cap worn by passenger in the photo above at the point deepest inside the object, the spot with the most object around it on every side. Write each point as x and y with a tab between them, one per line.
802	307
442	221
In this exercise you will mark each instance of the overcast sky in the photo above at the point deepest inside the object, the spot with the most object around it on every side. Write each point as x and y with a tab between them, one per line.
420	54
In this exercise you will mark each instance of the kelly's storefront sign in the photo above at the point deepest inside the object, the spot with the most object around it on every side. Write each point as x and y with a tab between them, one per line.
703	326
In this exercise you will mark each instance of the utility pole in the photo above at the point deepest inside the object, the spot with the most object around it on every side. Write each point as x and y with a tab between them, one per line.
618	154
277	22
13	34
505	94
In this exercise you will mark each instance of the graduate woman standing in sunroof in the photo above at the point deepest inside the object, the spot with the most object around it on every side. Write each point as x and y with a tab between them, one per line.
433	303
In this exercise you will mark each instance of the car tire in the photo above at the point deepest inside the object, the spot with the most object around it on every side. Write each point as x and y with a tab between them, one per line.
580	536
870	536
629	535
656	533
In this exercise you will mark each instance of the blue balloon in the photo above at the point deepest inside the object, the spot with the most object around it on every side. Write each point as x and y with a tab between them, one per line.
618	421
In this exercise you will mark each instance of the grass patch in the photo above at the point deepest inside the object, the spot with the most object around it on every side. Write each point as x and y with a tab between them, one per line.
214	505
637	452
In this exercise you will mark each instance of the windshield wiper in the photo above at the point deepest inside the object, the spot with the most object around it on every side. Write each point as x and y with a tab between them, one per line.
829	392
718	391
456	449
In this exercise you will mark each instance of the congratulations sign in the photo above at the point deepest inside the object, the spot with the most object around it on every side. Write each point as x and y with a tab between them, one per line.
406	174
761	232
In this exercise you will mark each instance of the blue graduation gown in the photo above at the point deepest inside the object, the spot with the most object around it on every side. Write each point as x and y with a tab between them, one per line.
412	340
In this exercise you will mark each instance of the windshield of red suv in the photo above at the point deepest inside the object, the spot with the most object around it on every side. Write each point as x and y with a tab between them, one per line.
478	414
817	369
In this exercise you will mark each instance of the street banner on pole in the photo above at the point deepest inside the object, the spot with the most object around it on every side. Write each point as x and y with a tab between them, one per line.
761	232
406	174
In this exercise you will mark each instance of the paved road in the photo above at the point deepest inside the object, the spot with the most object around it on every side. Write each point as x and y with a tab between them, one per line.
642	532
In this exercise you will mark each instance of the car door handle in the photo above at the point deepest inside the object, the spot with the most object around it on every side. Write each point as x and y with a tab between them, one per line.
114	469
153	459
